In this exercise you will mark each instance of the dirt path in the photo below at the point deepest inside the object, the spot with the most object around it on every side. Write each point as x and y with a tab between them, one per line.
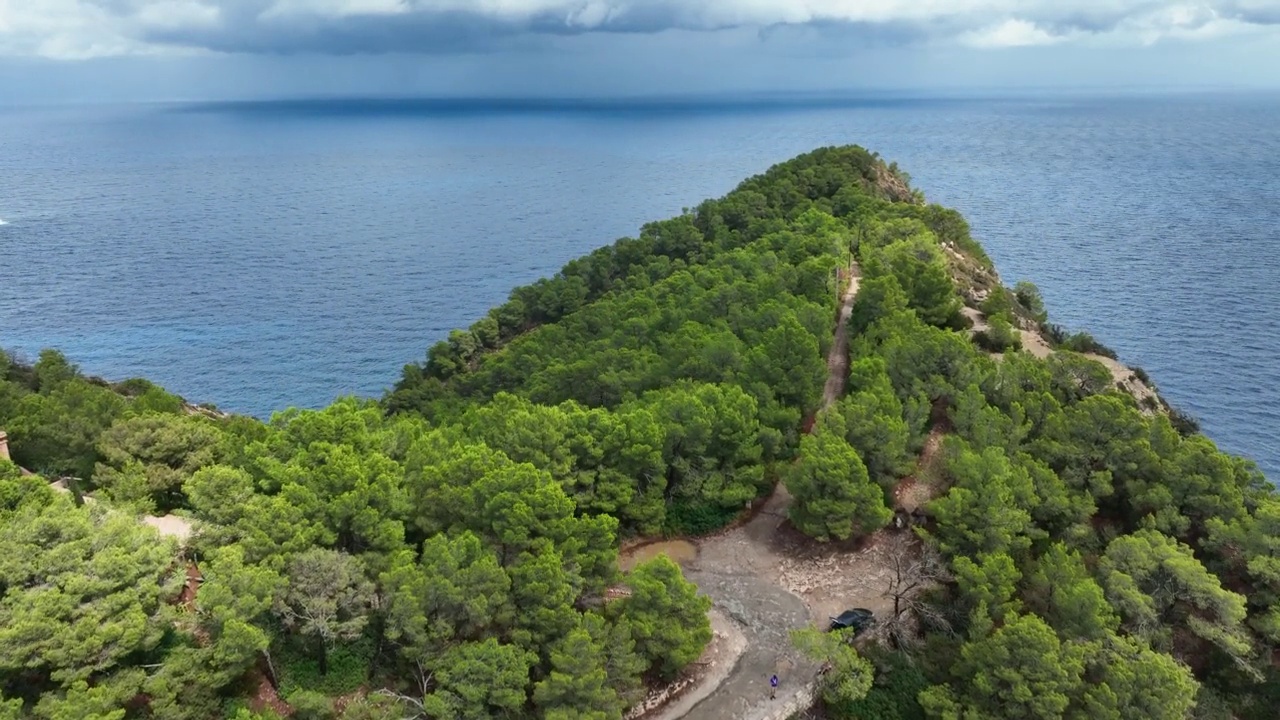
767	580
172	526
838	356
720	658
915	491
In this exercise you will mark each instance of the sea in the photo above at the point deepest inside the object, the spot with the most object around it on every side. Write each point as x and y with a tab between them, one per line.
264	255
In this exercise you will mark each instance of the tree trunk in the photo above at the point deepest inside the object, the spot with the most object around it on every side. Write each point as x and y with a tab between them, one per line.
324	658
271	669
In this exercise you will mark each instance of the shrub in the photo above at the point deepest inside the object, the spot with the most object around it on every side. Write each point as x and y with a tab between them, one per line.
999	338
1083	342
1183	422
686	517
997	303
241	711
299	670
1055	335
1211	706
1028	296
958	322
892	697
134	387
308	705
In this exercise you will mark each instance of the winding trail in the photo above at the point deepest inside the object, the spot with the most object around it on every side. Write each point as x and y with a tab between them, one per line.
740	571
838	355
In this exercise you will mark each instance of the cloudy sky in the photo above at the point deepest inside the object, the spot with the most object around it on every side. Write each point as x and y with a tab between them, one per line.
160	49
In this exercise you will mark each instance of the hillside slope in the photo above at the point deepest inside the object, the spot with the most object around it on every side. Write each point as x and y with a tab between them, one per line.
453	551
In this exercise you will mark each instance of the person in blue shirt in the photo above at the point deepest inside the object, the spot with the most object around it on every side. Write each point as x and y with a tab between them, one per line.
773	687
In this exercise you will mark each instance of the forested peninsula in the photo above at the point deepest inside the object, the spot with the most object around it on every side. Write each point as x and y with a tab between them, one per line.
820	361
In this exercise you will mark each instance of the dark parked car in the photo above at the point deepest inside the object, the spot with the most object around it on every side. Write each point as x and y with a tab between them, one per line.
858	618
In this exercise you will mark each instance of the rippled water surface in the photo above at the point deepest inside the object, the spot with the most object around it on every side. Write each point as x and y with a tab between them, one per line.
261	256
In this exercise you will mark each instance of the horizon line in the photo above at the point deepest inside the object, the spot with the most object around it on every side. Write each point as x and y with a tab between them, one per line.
743	99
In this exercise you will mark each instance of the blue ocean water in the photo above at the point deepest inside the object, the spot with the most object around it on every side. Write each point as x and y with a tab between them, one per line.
259	256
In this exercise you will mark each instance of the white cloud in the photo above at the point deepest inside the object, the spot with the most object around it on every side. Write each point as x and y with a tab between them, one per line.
177	14
1010	33
86	28
60	28
334	8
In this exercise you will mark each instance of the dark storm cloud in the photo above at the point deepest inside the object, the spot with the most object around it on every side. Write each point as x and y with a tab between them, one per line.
425	33
865	35
445	27
249	26
1255	13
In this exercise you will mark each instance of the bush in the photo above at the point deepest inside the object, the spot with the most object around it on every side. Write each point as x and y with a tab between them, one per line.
299	670
984	340
997	303
999	338
958	322
1083	342
1055	335
1183	422
309	705
1211	706
240	706
1028	296
685	517
1141	375
241	711
133	387
892	697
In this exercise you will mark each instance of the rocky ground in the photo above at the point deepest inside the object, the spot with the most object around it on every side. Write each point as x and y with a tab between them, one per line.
1034	343
765	580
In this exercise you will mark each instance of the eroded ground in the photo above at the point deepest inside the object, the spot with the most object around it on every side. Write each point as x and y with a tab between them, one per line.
1033	342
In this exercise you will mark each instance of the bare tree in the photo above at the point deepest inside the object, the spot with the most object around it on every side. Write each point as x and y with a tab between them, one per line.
916	568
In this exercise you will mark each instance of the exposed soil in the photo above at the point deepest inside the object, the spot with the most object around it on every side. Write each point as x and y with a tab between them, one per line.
1127	381
681	551
910	494
1122	374
265	697
187	598
838	357
172	526
916	490
741	572
1034	343
976	317
205	410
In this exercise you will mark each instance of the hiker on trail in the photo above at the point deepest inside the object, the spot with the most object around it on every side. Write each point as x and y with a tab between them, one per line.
773	687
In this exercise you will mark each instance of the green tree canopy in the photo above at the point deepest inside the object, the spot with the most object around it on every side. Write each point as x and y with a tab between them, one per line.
82	591
848	675
146	459
1020	670
668	619
327	597
832	495
1157	584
